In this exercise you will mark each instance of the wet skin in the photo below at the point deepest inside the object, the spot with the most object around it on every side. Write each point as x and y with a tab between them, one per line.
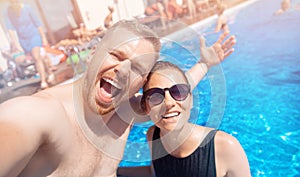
57	133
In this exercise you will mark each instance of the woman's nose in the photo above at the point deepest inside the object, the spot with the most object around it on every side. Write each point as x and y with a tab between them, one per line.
169	101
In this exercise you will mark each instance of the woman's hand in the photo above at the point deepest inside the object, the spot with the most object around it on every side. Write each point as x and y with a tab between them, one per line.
216	53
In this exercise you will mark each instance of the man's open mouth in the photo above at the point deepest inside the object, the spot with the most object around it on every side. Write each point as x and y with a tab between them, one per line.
109	89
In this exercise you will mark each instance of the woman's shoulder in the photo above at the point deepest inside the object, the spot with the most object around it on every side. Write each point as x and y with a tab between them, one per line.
226	143
223	137
230	154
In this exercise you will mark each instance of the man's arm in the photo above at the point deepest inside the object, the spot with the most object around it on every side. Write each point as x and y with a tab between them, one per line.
20	137
210	56
25	124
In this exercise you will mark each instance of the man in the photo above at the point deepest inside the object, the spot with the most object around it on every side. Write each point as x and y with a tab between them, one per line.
80	129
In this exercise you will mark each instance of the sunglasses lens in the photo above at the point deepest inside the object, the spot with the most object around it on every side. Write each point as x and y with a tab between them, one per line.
154	96
180	91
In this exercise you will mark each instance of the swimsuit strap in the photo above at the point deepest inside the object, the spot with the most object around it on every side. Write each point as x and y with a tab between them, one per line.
208	137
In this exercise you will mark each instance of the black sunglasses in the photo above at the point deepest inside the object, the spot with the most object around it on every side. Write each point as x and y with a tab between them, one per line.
155	96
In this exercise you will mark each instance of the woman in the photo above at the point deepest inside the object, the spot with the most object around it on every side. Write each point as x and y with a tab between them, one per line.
180	148
30	34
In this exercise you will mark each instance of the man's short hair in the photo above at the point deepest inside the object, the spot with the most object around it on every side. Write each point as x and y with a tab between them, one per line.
140	30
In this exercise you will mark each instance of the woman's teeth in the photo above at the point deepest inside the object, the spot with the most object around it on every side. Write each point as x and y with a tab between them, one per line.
169	115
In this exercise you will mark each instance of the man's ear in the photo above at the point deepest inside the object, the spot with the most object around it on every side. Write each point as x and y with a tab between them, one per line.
145	80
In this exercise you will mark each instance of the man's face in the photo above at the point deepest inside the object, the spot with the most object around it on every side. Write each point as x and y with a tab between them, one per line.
118	70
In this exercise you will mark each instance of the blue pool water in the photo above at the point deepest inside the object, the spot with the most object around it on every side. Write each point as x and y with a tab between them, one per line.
258	100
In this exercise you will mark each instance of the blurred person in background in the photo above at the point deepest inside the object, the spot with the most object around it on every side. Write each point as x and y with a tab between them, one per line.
30	36
108	21
222	19
285	6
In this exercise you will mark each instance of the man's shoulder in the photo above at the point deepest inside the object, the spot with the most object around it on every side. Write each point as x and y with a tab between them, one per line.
31	108
33	100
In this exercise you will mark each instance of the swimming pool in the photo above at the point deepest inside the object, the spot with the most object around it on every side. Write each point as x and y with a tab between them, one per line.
262	104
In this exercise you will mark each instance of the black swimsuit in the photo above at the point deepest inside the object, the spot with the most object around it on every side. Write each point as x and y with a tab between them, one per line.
201	163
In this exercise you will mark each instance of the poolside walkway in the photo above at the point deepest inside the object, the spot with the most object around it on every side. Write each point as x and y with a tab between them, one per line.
172	27
32	85
65	71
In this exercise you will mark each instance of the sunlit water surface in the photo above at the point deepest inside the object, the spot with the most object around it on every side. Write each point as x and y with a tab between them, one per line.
261	85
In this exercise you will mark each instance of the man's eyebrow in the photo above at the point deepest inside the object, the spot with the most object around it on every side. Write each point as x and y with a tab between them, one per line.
121	54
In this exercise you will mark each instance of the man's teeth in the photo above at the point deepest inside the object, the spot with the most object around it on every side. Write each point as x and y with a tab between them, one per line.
171	115
112	83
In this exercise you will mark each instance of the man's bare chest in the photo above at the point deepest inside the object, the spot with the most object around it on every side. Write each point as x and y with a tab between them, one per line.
90	163
81	158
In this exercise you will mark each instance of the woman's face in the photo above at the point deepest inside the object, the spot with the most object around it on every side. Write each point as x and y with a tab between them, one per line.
165	111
